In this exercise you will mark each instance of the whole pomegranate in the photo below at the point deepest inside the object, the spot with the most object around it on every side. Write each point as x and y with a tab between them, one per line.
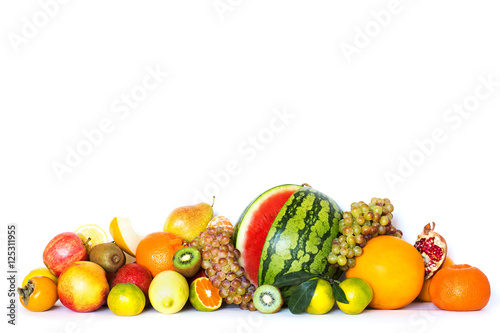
433	248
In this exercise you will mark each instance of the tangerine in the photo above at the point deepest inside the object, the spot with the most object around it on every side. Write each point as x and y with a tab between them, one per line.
424	293
221	221
393	268
156	250
460	288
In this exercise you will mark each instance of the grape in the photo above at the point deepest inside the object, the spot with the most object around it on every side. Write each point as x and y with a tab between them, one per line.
341	260
335	249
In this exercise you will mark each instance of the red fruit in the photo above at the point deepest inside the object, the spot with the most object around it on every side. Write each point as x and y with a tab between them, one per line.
136	274
62	251
433	248
83	287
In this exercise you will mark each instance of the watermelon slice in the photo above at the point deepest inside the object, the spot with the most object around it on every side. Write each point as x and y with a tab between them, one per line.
253	225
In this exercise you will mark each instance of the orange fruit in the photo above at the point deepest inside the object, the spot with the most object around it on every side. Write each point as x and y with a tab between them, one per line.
424	293
203	295
460	288
156	250
221	221
39	294
393	268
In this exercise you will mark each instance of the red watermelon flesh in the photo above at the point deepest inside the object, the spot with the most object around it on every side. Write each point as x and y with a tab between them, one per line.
254	224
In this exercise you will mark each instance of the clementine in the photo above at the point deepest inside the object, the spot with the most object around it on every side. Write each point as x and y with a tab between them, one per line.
156	250
393	268
460	288
424	293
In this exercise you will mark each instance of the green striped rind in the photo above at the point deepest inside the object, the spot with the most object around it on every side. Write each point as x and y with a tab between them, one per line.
301	236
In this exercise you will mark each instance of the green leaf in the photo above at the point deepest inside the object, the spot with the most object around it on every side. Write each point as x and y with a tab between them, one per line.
294	278
339	294
301	296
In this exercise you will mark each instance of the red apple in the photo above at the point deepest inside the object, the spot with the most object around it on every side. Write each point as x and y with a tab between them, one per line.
83	286
136	274
62	251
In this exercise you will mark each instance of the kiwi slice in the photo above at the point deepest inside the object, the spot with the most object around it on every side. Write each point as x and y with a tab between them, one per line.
107	255
187	261
267	299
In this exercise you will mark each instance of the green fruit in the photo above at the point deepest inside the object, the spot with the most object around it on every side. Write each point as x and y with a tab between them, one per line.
267	299
358	293
322	300
126	299
300	237
107	255
187	261
203	295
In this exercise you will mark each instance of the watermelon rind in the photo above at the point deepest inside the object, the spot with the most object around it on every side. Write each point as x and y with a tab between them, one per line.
300	237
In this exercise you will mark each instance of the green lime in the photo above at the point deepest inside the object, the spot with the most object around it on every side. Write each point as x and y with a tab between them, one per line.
359	294
126	299
322	300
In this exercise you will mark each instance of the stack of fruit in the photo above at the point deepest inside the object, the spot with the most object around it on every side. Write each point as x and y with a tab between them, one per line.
291	246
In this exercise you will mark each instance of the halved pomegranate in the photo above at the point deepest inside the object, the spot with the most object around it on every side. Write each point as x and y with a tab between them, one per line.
432	247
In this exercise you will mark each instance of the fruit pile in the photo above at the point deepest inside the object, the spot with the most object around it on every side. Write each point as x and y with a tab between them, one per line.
291	246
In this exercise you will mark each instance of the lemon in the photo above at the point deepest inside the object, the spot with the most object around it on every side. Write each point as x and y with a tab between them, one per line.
91	235
124	235
322	300
168	292
126	299
359	294
41	271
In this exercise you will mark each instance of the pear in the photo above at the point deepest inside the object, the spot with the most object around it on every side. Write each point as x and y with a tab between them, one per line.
189	221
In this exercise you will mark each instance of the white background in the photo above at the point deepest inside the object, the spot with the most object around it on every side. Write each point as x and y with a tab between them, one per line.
351	120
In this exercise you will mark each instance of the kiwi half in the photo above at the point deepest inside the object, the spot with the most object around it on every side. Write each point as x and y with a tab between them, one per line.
267	299
187	261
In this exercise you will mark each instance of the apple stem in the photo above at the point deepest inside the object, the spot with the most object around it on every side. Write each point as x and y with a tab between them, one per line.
87	241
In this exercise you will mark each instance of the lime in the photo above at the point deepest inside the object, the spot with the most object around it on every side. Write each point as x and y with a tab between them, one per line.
126	299
91	235
168	292
322	300
359	294
203	295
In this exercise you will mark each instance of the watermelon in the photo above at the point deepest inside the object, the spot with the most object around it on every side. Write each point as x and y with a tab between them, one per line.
300	237
253	225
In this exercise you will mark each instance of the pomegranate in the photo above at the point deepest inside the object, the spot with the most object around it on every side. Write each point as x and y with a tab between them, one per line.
432	247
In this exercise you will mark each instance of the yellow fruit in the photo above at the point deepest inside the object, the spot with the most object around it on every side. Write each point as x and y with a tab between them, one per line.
189	221
168	292
124	236
358	293
126	299
322	300
91	235
41	271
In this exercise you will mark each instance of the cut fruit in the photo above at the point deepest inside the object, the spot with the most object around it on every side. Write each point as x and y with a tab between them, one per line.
91	235
221	221
187	261
433	249
204	296
267	299
124	236
251	230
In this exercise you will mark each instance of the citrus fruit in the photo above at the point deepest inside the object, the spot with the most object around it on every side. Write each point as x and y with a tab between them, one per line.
460	288
221	221
424	293
322	300
124	236
38	294
41	271
393	268
203	295
91	235
168	292
156	250
358	293
126	299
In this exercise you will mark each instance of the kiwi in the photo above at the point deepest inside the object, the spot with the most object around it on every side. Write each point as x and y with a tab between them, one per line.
107	255
187	261
267	299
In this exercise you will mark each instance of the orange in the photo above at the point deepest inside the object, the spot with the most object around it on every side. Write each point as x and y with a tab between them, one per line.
39	294
221	221
424	293
156	250
460	288
204	296
393	268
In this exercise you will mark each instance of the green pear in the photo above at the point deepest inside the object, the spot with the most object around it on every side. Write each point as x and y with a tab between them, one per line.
189	221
